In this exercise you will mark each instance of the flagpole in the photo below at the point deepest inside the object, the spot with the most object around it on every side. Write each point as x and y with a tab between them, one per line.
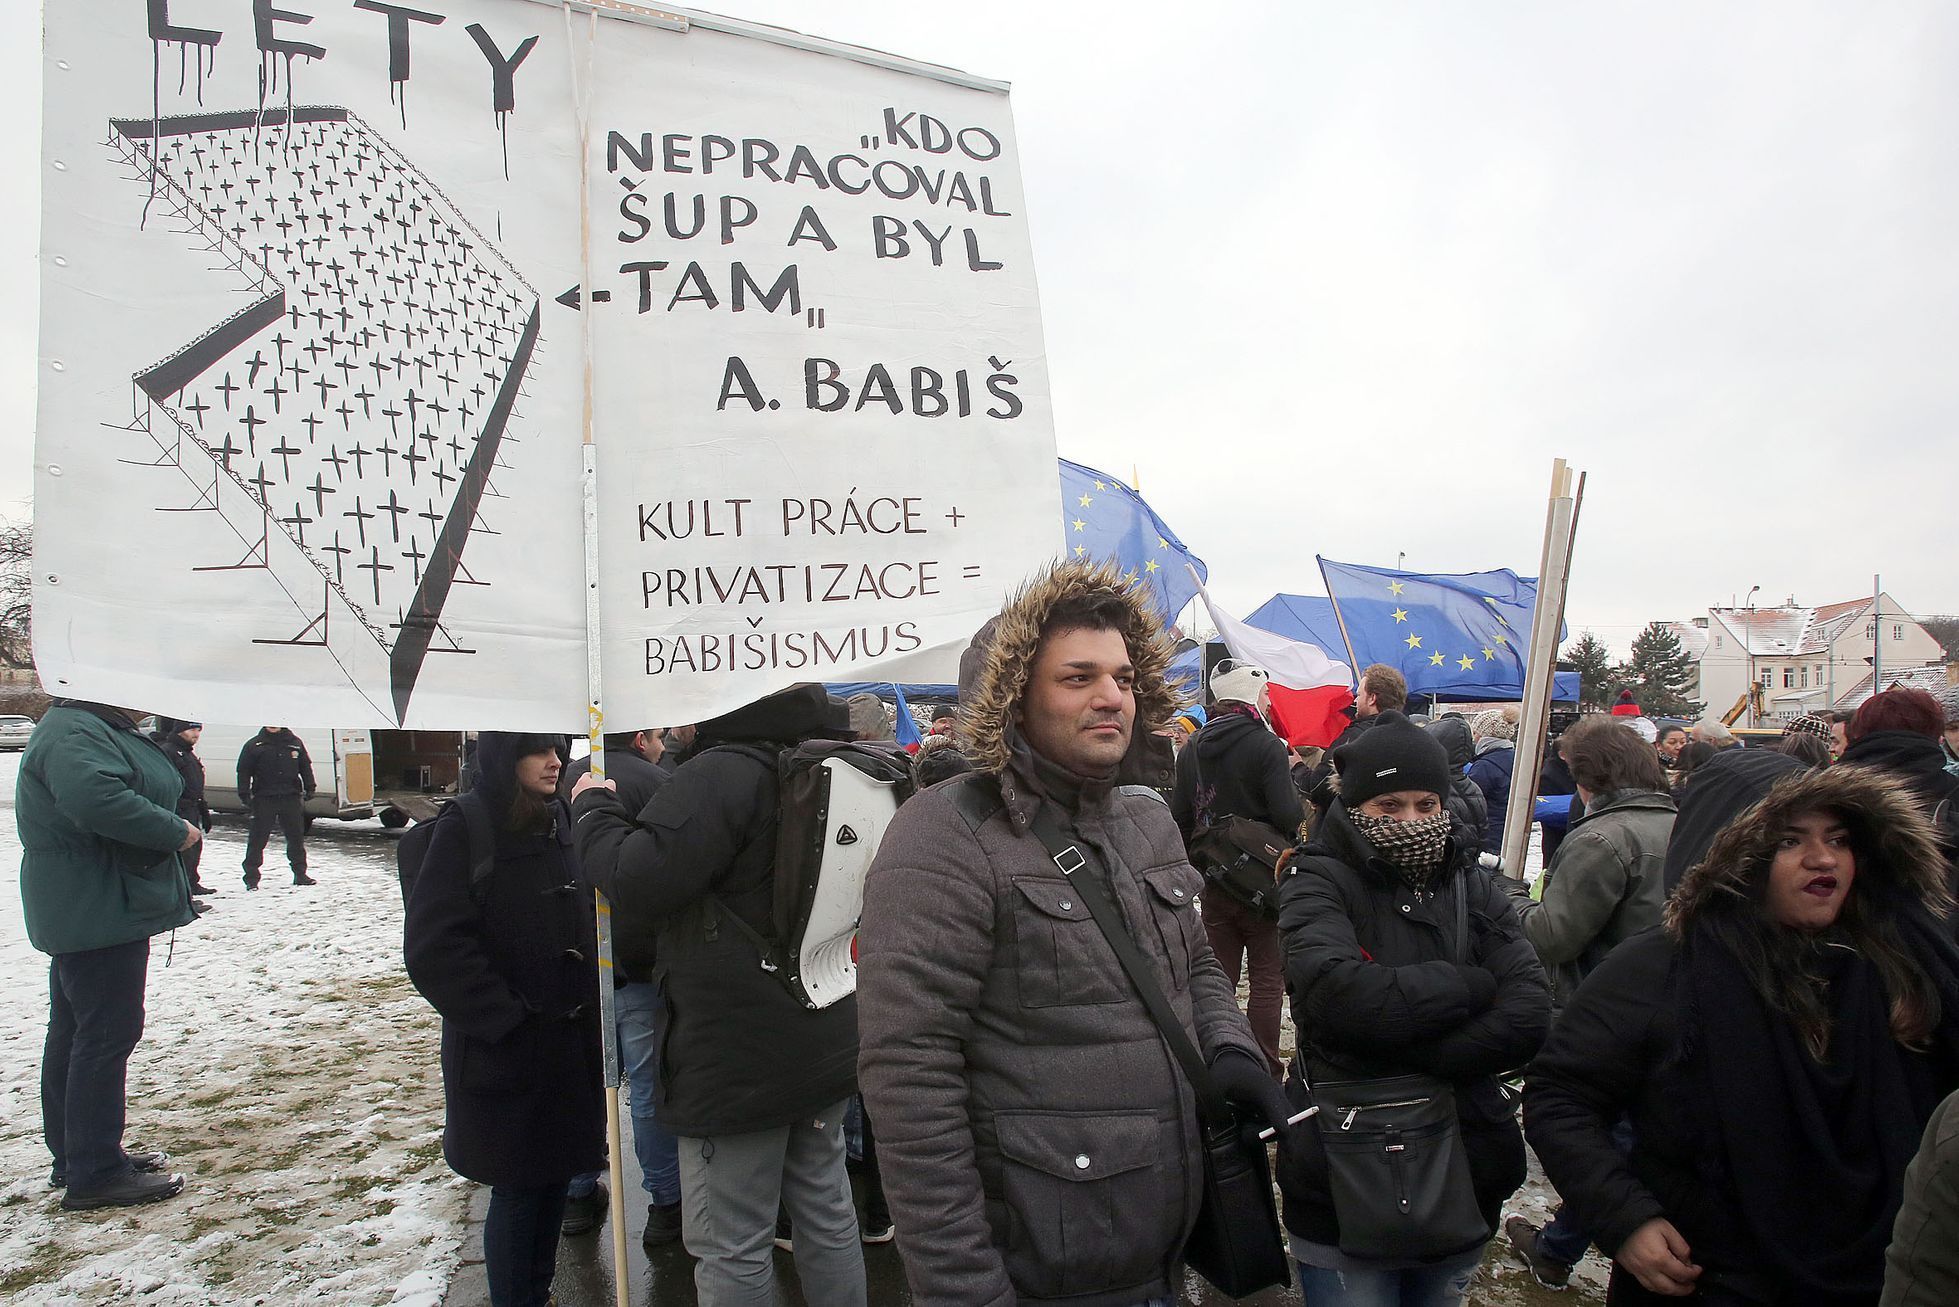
1353	662
1547	616
594	706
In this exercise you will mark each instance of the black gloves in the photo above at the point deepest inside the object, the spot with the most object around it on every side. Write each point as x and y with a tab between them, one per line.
1248	1085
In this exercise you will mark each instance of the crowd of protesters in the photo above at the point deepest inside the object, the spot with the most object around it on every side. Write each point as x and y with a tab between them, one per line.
1725	1015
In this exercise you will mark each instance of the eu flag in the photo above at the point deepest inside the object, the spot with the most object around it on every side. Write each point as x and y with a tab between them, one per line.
1454	636
1104	519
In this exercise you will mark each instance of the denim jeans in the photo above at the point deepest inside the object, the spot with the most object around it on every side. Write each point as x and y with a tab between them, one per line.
1441	1285
520	1244
95	1017
1562	1238
637	1009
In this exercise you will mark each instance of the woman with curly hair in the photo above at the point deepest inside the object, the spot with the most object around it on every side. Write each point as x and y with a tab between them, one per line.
1778	1045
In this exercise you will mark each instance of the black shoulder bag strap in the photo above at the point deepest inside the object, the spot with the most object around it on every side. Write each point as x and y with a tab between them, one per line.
1082	872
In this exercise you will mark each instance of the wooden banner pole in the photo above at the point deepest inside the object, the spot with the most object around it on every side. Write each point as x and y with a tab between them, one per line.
582	79
1547	617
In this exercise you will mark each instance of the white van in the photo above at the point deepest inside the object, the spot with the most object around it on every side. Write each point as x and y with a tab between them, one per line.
343	768
393	775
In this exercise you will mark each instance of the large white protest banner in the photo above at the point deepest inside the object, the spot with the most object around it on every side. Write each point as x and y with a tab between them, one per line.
316	299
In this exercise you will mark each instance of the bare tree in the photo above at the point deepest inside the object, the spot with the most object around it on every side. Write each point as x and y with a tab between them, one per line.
16	594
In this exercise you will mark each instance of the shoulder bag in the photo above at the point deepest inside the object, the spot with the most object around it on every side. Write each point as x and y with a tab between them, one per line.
1240	856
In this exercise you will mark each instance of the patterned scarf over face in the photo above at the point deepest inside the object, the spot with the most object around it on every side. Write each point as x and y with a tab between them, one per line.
1415	848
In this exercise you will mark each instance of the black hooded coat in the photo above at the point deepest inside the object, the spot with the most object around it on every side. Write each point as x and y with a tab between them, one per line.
1235	767
740	1053
1726	786
512	967
1783	1174
1468	807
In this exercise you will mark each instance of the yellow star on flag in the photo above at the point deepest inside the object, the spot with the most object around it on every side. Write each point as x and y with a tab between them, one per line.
1100	486
1465	662
1152	566
1435	660
1161	543
1489	654
1396	587
1080	525
1500	640
1401	614
1085	501
1080	550
1414	642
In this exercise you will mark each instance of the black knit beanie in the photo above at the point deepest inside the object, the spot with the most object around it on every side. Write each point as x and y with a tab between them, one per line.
1392	754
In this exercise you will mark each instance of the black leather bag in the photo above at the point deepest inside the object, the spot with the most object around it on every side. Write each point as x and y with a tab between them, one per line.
1396	1167
1241	857
1236	1243
1395	1162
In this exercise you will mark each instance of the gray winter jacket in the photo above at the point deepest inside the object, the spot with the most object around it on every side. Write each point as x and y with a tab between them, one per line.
1606	884
1037	1141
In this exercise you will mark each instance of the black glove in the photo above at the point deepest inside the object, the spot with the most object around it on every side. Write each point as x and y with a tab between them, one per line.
1246	1083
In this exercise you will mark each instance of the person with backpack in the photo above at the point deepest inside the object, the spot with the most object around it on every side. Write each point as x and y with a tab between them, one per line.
275	779
1235	767
1413	990
499	936
754	1083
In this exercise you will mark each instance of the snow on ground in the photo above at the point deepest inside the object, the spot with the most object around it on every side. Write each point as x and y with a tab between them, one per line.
288	1068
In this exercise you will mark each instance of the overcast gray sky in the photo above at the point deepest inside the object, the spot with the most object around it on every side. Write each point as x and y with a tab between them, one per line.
1345	278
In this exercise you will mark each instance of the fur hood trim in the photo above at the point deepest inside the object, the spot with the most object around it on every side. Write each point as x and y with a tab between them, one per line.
996	667
1898	857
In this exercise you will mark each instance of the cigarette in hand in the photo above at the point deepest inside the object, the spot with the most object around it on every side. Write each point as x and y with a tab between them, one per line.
1271	1132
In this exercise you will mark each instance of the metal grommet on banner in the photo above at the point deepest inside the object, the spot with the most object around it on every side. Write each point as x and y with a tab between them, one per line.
59	166
57	365
54	469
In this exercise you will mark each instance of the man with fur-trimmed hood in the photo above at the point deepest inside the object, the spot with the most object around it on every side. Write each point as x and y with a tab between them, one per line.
1038	1143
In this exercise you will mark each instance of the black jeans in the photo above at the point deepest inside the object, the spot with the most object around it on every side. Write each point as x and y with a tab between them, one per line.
95	1017
520	1244
289	811
191	856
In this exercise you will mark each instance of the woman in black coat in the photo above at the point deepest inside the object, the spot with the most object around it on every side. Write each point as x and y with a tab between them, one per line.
1778	1045
510	961
1382	985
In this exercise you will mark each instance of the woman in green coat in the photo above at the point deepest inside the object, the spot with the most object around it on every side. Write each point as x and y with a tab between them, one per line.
99	875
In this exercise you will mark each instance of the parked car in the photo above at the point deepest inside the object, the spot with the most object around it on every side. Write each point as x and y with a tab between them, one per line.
14	731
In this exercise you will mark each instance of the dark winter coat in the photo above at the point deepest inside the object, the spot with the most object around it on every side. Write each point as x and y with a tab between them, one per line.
1235	767
1037	1142
96	807
1604	886
190	769
635	779
1375	991
1467	806
1723	788
1919	761
274	765
1495	760
1622	1047
740	1053
512	967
